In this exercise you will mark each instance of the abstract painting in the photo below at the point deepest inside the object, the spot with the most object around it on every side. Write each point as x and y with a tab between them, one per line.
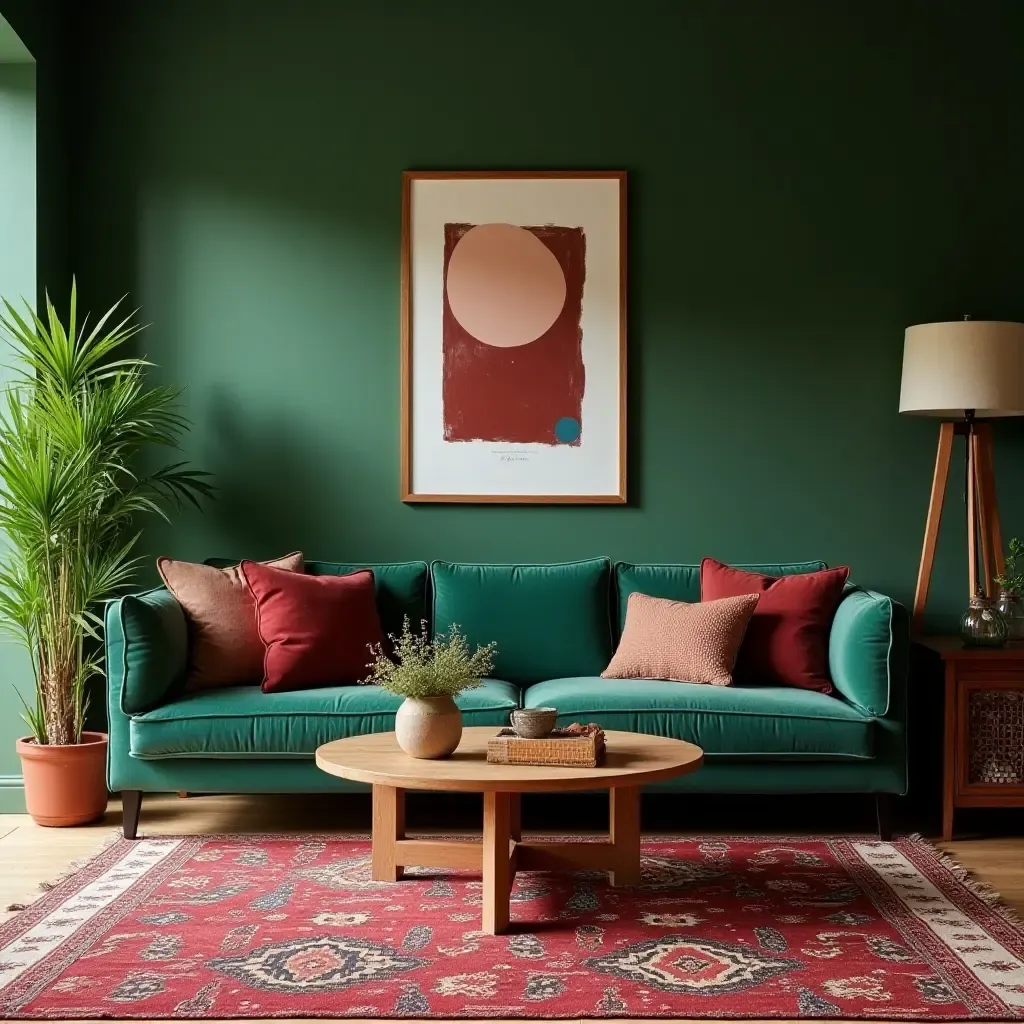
513	337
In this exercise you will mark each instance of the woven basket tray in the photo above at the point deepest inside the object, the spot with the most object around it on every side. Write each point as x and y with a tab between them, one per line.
561	748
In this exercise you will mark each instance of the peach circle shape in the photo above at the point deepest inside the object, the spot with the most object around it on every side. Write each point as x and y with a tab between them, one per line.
505	286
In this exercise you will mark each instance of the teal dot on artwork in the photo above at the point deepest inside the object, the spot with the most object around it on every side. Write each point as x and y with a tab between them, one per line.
567	429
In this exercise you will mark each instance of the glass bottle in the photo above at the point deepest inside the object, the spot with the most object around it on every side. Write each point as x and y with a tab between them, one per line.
1011	607
982	625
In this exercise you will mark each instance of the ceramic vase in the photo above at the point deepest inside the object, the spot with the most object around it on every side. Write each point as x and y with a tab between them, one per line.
65	785
428	727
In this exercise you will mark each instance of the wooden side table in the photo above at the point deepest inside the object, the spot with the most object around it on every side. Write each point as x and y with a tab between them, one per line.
983	763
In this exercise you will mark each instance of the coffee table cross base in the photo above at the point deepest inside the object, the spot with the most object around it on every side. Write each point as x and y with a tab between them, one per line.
502	851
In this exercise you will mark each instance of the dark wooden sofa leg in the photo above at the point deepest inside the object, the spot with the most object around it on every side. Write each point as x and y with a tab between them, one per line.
883	815
131	803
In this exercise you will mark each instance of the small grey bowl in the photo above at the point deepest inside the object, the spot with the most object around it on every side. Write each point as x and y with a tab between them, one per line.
534	723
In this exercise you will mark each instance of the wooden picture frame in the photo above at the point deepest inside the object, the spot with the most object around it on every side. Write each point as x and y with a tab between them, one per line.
515	417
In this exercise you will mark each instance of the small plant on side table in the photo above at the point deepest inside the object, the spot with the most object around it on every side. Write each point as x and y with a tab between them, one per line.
1011	590
429	675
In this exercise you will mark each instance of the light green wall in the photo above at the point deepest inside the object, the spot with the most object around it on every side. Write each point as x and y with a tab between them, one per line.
48	29
17	281
17	181
12	49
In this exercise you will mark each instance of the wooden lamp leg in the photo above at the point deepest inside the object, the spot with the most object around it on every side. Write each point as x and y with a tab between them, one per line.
988	506
984	534
972	515
943	455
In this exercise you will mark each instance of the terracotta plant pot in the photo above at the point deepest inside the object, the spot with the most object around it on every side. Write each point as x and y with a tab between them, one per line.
428	727
65	785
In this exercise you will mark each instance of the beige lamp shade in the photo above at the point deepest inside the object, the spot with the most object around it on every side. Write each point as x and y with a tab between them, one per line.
963	365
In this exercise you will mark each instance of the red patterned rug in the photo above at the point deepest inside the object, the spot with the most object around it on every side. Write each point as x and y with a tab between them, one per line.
293	926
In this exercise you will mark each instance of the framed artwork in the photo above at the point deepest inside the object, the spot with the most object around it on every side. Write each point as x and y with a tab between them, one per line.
514	336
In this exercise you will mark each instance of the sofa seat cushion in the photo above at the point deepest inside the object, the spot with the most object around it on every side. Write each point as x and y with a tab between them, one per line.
735	721
244	722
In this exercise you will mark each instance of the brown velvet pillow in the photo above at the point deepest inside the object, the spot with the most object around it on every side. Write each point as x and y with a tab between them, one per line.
686	643
224	643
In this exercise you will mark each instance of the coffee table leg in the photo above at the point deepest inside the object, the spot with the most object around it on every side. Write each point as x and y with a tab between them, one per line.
497	862
388	826
624	830
515	820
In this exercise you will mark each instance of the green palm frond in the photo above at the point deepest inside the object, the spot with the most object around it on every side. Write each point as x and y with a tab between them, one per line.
73	423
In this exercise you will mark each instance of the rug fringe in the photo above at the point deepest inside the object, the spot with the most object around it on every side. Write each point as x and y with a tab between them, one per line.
76	865
989	896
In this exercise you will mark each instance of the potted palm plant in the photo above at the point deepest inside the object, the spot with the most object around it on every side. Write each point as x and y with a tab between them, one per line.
73	421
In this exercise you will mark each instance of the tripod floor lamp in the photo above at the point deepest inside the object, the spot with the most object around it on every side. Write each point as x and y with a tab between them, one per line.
964	372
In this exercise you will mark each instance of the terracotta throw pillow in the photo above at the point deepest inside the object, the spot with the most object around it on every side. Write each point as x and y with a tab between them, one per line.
687	643
316	630
224	646
787	640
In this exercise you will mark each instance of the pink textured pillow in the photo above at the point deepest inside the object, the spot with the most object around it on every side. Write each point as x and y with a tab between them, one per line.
224	644
687	643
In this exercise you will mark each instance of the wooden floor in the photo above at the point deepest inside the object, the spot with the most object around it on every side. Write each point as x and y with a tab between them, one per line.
30	855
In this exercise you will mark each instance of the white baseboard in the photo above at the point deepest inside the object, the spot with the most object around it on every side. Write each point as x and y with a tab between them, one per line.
12	794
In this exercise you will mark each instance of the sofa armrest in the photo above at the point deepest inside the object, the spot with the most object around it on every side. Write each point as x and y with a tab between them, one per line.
146	642
868	650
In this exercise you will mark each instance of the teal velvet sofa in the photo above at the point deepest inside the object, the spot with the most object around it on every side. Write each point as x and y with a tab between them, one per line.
555	627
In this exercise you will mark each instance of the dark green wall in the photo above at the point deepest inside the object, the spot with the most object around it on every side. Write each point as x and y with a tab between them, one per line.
806	179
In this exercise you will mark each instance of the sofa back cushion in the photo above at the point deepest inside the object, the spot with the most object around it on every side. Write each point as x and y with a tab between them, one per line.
400	587
681	582
548	621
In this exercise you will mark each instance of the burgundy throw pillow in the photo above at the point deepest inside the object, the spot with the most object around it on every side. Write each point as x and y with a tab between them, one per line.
787	639
316	630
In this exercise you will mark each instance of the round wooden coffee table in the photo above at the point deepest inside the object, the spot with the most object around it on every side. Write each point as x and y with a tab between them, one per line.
632	760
